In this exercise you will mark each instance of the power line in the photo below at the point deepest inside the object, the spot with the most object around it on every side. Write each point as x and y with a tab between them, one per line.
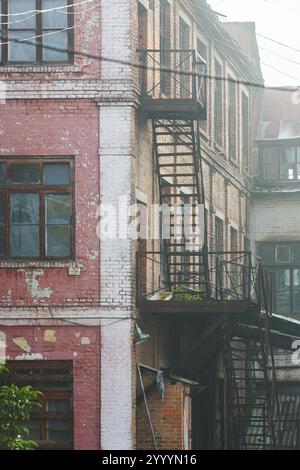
146	67
74	13
278	42
280	56
46	10
282	73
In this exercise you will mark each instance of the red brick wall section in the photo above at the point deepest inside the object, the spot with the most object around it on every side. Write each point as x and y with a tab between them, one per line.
66	128
82	346
167	417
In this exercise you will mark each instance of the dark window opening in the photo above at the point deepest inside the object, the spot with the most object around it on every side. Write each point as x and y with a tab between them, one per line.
185	59
219	235
218	104
51	426
36	209
245	133
232	121
29	39
203	53
165	46
281	163
284	261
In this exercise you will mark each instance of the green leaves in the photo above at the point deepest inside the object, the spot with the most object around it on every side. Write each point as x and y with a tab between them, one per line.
183	293
16	404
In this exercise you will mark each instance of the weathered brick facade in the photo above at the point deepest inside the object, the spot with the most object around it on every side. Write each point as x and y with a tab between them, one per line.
91	111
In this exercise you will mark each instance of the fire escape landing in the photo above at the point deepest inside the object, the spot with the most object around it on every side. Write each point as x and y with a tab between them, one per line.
183	281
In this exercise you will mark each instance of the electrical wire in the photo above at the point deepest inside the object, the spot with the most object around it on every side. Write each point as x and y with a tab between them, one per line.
279	71
74	13
278	42
64	7
280	56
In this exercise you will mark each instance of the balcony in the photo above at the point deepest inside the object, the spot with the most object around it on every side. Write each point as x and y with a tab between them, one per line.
173	84
236	283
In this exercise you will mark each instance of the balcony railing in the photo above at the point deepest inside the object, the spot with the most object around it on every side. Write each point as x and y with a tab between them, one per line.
173	76
231	276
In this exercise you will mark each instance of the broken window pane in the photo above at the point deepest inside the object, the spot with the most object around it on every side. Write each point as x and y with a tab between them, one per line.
24	173
56	173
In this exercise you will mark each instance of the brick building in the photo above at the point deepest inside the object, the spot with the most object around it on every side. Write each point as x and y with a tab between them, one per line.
83	134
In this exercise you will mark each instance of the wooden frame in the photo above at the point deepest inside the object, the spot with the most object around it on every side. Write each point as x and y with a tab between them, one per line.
8	188
42	375
39	35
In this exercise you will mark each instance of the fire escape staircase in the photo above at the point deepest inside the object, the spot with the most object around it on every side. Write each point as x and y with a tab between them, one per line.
252	401
179	169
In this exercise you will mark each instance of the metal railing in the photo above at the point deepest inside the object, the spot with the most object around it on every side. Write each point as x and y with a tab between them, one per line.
180	275
173	74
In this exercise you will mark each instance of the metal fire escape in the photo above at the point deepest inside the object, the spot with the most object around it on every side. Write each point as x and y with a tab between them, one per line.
252	402
174	99
176	104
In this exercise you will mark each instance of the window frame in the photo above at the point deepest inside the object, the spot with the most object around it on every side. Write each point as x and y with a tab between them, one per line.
278	163
39	37
38	381
218	103
41	189
275	266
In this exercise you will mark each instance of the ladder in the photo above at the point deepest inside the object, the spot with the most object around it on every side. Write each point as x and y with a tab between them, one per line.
252	406
180	178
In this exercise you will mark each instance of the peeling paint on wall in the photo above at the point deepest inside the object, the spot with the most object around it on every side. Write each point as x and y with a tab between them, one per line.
22	343
33	285
85	340
49	336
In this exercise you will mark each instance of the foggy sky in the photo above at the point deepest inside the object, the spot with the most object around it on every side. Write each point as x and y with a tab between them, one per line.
277	19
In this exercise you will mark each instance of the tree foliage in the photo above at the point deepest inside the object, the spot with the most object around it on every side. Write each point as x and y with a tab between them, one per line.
16	404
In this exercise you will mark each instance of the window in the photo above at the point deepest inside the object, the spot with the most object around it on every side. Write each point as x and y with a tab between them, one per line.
164	41
28	39
284	261
232	121
281	163
245	132
203	53
51	425
36	209
185	59
282	254
218	104
219	235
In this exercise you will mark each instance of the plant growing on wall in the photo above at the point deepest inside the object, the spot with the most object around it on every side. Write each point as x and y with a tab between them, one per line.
16	404
182	293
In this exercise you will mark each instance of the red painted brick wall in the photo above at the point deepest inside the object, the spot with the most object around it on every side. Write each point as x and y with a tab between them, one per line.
57	127
167	416
82	346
